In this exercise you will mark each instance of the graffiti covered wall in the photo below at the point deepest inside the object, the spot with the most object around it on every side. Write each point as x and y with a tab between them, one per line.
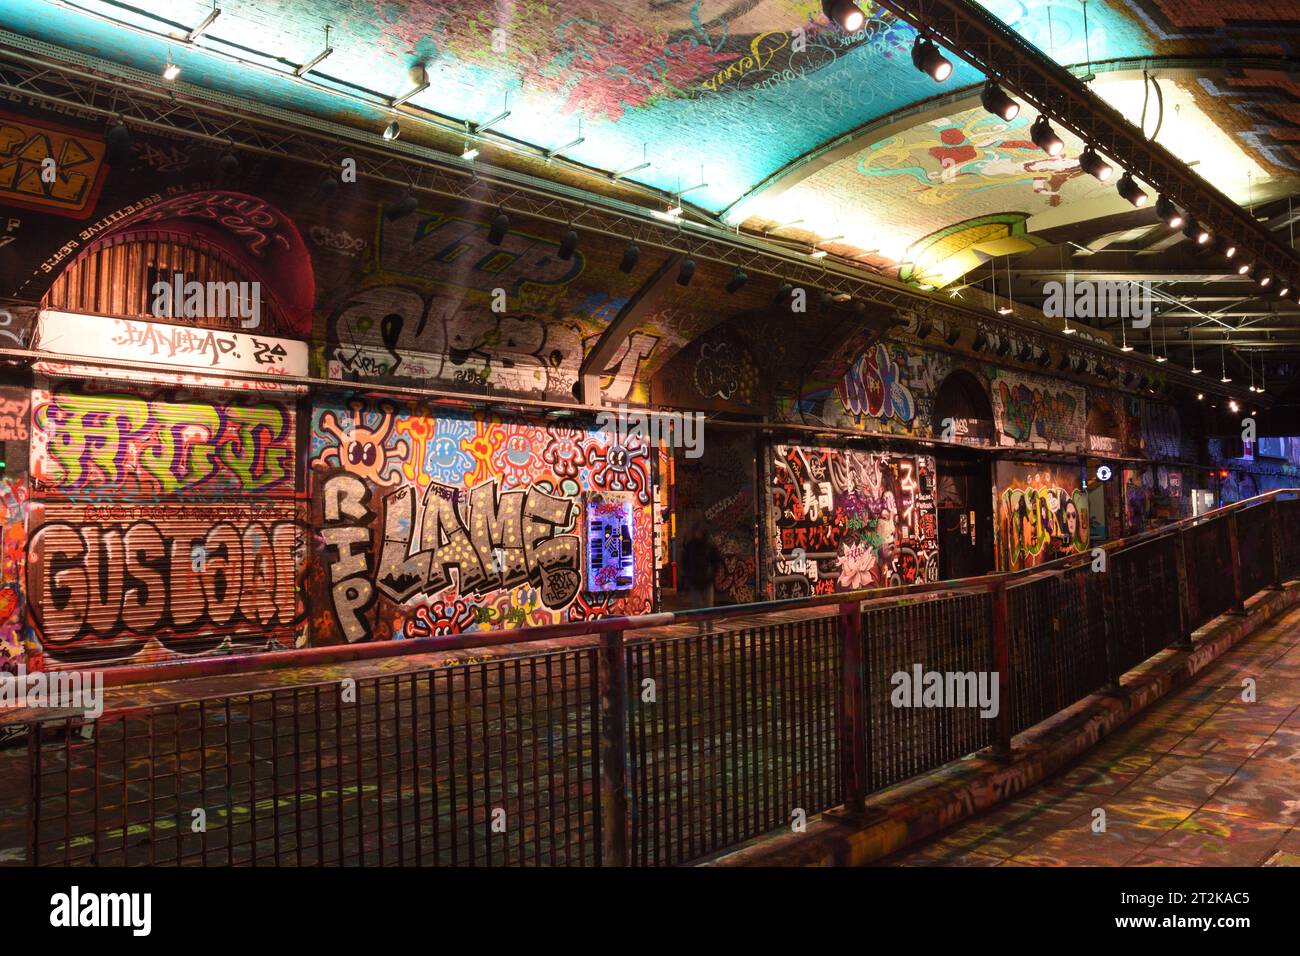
1042	513
718	489
163	521
1036	412
841	519
436	523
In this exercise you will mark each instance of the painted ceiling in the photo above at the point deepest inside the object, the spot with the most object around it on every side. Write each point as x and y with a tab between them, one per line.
721	98
716	91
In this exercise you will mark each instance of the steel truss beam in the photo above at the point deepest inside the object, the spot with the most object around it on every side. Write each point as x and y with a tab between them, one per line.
986	43
89	87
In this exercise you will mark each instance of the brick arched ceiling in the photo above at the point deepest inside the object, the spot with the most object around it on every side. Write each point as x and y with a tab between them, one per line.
760	110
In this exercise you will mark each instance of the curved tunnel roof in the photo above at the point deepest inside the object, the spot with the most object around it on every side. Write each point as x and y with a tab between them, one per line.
760	113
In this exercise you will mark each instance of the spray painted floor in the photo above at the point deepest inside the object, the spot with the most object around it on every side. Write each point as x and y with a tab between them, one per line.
1204	778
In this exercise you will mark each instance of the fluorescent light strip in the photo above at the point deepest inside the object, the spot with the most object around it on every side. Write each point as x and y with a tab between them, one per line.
207	22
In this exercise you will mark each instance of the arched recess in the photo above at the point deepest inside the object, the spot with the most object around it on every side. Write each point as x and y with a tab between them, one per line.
211	235
197	539
962	399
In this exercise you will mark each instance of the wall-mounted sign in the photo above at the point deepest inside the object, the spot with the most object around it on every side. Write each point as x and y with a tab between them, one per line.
158	343
1104	473
611	565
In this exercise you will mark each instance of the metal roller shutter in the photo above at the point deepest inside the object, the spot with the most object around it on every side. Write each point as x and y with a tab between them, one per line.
161	527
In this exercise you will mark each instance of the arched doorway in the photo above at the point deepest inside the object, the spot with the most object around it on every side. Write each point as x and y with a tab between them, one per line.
169	516
963	415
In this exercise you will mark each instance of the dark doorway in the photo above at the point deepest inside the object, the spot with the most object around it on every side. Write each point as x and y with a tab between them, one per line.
963	415
965	508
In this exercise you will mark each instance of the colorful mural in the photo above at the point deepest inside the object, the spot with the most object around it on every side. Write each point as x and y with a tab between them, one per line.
843	519
162	522
93	444
1035	412
437	522
1042	514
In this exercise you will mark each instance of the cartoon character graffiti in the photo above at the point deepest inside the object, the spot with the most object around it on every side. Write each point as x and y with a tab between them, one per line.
361	449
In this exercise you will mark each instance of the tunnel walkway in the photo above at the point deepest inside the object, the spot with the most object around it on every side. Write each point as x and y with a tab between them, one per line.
1203	778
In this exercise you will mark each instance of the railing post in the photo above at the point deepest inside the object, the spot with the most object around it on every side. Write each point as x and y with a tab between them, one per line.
853	711
612	678
1275	536
1234	549
1002	661
1184	642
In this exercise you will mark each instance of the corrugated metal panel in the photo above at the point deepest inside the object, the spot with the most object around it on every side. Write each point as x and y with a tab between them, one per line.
117	277
136	582
136	444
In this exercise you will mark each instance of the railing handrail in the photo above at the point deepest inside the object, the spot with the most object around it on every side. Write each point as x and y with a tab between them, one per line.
218	665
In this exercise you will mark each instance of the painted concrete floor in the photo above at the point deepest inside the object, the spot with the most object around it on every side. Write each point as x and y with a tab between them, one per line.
1201	779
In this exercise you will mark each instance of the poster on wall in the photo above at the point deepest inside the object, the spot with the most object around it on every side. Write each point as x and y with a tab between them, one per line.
1034	412
611	559
1042	513
843	520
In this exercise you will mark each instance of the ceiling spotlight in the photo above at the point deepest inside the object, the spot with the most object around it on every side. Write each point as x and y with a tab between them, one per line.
327	186
1283	288
845	13
170	71
1200	396
469	152
1045	137
685	271
1226	379
1167	211
1243	268
737	280
118	139
997	102
1228	248
1130	190
631	253
500	226
783	293
1196	232
1094	165
1262	276
403	207
1195	370
568	243
392	131
927	58
1232	404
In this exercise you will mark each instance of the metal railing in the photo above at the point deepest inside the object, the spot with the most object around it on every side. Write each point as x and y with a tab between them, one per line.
629	743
